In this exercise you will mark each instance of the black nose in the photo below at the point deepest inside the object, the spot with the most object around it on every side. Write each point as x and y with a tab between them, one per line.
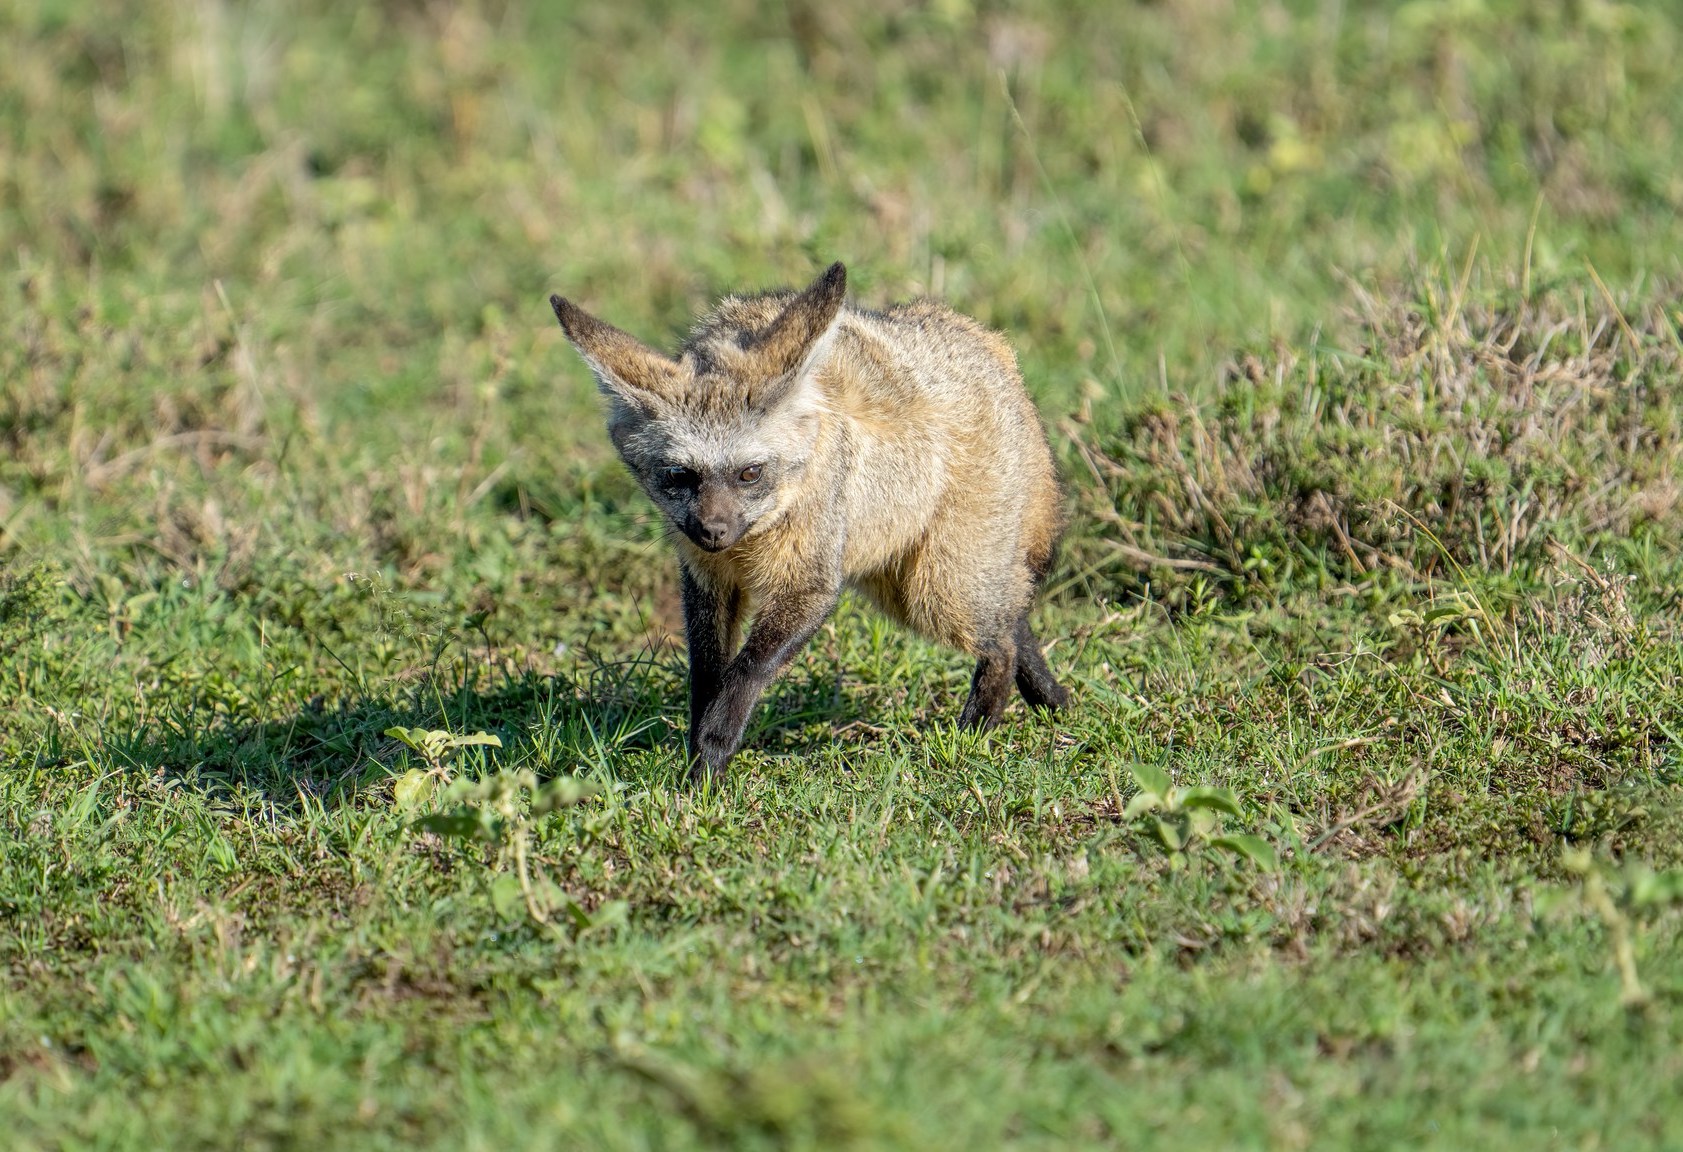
711	534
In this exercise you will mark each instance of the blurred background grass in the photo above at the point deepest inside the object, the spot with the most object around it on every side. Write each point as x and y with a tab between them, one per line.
333	226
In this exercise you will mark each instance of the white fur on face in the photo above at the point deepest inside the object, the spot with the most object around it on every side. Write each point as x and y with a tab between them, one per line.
710	444
717	450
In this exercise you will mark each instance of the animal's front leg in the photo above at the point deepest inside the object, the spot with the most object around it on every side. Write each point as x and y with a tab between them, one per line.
990	687
781	629
711	618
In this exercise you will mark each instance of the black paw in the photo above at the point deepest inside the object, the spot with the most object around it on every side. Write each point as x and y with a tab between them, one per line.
709	754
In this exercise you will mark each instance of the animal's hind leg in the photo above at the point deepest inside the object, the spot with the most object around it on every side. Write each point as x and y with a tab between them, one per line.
990	687
1034	679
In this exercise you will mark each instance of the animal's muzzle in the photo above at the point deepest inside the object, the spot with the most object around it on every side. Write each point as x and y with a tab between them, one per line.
714	535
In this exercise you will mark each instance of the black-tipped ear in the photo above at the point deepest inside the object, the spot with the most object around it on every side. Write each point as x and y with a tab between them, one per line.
623	364
789	344
833	282
563	309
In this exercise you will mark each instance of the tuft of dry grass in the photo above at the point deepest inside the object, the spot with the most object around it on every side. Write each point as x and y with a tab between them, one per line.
1460	434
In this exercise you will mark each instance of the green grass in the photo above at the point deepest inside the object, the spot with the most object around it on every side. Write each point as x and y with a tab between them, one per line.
1357	328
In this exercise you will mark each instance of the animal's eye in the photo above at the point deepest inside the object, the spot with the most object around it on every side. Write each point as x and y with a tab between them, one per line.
677	476
751	474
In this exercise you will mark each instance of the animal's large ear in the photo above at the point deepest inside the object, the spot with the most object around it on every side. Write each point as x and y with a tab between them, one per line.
793	344
625	367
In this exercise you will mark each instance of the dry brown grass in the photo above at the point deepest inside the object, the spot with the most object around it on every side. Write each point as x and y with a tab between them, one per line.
1471	433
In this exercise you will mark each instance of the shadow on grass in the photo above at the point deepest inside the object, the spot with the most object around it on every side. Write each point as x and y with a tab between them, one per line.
553	723
625	719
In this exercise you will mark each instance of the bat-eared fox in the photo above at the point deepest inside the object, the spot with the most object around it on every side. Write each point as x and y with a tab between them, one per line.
797	444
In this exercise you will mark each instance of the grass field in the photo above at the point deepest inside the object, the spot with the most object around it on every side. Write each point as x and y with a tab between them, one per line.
1357	330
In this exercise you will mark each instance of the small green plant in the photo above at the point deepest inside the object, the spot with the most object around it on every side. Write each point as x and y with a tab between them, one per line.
1621	898
502	810
1428	628
438	748
1183	819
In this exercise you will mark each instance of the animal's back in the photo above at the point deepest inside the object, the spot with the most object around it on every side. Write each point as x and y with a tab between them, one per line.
965	386
953	499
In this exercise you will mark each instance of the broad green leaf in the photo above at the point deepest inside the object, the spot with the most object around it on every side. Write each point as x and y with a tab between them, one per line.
1218	799
1253	848
506	896
1150	778
496	790
462	824
410	736
1141	803
1649	889
548	893
1170	834
562	792
484	738
413	788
